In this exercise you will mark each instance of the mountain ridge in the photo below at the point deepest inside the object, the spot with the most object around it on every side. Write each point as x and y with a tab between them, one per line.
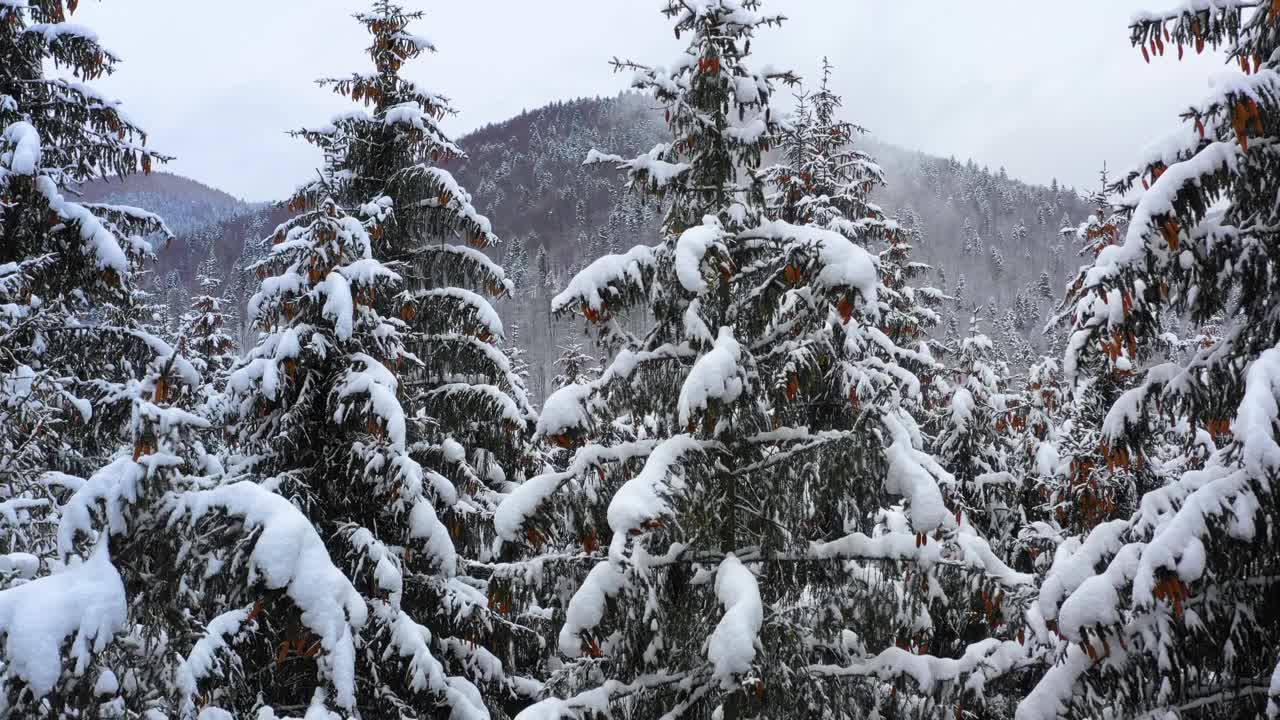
993	239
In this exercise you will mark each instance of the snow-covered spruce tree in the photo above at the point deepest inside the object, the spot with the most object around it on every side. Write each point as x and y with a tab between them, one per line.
204	338
821	178
67	336
1090	485
380	403
574	366
972	438
746	559
97	636
908	310
1173	609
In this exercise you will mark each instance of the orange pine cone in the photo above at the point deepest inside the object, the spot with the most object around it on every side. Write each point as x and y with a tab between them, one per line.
1170	232
845	308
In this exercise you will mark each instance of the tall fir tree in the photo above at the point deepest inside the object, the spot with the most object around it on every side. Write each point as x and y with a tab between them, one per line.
822	179
204	337
773	429
971	437
71	336
1163	611
379	400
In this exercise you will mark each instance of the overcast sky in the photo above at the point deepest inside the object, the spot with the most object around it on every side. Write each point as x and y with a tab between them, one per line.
1044	89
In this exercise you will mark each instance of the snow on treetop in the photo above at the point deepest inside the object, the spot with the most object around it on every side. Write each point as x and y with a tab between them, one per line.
749	131
378	385
367	271
203	661
52	32
484	312
1156	207
100	241
732	645
912	474
894	542
644	497
1189	7
728	12
750	90
565	409
1073	563
114	486
289	554
658	172
528	497
715	376
1257	415
962	405
508	410
421	42
691	247
985	656
460	199
23	155
842	264
338	305
85	602
586	607
593	284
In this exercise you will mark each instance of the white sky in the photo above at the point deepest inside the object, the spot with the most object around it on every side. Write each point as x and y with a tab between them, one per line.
1045	89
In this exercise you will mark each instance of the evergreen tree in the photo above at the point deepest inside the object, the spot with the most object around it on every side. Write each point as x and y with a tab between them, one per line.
822	179
379	402
969	239
516	265
574	366
70	335
98	635
773	422
1168	595
1044	287
971	436
204	337
997	263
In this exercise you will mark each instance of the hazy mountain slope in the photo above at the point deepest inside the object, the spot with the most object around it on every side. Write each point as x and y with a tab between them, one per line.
185	204
527	175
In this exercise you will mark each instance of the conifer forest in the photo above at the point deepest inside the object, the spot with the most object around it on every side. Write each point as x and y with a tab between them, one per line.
694	401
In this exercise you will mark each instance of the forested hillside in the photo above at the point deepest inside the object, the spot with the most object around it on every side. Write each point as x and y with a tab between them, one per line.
689	404
996	242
